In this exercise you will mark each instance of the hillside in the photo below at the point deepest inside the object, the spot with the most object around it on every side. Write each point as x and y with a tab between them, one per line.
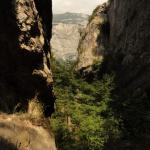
66	34
70	18
65	41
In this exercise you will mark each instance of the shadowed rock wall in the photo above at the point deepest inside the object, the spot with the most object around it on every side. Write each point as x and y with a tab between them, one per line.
19	132
129	58
25	74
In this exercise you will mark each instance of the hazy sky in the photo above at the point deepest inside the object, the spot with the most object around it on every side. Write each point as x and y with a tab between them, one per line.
80	6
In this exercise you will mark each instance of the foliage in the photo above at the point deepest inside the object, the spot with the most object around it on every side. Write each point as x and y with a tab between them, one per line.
82	119
93	14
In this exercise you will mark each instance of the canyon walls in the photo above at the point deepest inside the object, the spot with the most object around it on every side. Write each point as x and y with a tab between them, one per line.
25	74
126	56
129	40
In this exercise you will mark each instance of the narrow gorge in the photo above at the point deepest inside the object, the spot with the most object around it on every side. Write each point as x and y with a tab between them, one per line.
74	81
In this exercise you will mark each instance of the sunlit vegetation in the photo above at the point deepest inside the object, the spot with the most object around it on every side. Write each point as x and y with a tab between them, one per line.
83	119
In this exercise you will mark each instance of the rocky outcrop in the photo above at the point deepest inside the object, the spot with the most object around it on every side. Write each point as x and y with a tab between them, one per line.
25	55
25	74
129	58
24	133
92	43
129	41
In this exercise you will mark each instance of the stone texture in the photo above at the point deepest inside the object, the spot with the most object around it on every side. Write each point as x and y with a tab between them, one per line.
128	57
25	75
92	43
130	40
23	133
25	32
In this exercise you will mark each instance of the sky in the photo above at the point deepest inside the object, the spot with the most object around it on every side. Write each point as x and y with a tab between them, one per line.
78	6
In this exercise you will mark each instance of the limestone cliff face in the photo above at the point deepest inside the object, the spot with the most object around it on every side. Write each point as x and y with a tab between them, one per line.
25	31
130	60
91	46
130	40
25	74
65	41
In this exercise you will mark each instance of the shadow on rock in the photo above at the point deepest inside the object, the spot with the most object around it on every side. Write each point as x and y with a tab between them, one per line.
6	145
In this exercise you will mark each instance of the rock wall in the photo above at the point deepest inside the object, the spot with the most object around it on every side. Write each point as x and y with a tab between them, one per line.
129	40
93	39
25	75
128	57
25	133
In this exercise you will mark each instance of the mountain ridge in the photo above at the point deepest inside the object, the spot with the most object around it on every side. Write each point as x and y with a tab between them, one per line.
69	17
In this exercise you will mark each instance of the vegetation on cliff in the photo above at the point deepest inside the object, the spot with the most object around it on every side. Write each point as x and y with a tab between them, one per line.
108	113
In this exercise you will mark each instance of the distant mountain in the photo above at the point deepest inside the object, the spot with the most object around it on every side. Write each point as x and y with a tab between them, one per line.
70	18
65	41
66	34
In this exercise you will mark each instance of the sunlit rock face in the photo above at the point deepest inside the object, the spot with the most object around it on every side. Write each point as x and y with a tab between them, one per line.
24	133
66	35
25	74
92	42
